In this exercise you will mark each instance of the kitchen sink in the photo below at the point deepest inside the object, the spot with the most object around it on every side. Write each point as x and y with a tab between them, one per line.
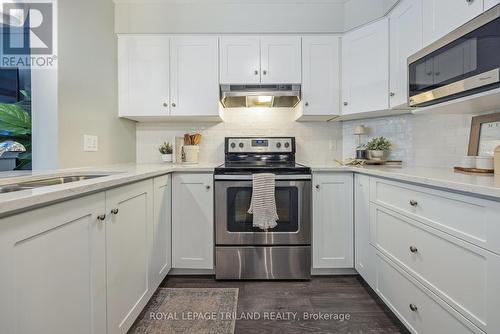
47	182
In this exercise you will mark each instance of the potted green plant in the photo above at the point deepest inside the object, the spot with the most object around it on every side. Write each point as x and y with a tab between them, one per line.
378	148
166	151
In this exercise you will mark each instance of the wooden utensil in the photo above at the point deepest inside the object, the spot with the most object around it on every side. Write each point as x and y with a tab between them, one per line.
196	139
187	139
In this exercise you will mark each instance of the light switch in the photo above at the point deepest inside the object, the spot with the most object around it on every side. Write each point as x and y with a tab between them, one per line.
90	143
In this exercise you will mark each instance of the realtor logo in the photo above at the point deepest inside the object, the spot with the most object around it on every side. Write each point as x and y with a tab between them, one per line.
28	33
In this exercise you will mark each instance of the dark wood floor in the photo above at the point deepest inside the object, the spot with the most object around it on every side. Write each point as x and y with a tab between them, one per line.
338	294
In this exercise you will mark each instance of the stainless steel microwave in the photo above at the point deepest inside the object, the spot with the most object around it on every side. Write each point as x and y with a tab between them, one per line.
462	63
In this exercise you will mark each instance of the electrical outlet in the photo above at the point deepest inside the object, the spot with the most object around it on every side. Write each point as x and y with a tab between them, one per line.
90	143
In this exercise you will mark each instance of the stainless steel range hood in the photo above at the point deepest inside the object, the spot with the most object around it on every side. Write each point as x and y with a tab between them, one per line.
248	96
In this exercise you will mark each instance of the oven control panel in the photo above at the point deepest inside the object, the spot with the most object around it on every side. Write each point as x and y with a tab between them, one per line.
260	145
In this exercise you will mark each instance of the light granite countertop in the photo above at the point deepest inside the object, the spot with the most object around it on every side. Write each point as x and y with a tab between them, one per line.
119	174
445	178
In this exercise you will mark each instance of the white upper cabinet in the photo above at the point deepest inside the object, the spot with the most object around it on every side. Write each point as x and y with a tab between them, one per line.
143	75
168	76
405	23
442	16
321	75
365	68
280	59
240	59
255	59
194	76
488	4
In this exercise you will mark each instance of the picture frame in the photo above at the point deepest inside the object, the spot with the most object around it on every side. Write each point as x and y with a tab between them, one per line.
479	125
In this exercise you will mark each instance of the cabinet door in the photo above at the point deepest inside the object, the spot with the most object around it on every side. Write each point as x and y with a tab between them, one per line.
143	75
129	233
490	4
162	229
405	39
192	221
239	59
442	16
364	252
281	59
321	75
194	76
53	269
365	68
333	220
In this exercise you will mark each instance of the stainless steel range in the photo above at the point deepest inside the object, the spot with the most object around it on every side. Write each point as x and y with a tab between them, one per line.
246	252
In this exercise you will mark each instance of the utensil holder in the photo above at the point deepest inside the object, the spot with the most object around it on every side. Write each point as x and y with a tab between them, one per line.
191	154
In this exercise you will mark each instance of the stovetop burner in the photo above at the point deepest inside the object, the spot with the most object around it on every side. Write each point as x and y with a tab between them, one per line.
248	155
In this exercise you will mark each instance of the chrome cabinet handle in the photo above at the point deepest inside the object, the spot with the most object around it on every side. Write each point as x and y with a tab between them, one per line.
413	249
413	307
392	94
114	211
165	104
345	103
264	72
413	203
317	186
174	105
256	72
101	217
307	104
207	187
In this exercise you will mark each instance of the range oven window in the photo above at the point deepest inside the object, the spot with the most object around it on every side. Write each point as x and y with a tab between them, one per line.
472	54
238	203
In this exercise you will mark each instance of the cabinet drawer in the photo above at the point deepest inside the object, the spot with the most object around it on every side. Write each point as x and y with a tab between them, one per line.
429	315
462	274
469	218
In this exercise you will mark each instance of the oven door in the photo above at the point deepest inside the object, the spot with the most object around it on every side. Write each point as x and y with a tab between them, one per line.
233	223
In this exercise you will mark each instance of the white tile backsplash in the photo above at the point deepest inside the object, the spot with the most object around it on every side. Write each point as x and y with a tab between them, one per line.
418	140
316	142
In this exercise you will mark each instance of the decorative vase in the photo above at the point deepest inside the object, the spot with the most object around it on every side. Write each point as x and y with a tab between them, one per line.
166	157
376	154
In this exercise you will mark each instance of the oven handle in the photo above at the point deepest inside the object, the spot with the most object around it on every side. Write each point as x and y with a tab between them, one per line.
249	177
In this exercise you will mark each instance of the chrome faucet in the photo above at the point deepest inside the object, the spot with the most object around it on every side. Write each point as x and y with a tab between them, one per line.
11	146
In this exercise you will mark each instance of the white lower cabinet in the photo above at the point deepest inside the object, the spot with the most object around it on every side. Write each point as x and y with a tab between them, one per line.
418	308
193	221
434	253
87	265
53	269
332	239
364	260
463	275
129	236
162	229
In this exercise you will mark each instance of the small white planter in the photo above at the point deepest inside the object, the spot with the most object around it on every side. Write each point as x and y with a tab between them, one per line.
166	157
376	155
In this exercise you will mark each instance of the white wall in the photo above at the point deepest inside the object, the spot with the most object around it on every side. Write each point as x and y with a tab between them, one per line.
316	142
88	86
229	17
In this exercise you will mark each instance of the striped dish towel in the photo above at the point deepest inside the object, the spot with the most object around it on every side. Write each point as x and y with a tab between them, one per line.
263	204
